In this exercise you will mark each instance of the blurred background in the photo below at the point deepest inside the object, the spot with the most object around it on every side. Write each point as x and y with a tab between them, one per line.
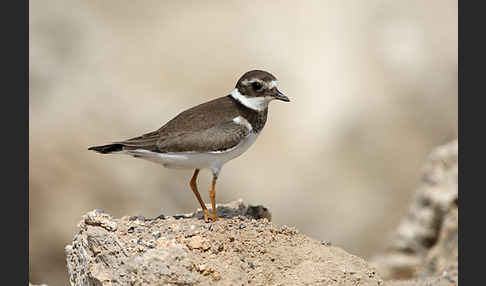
373	86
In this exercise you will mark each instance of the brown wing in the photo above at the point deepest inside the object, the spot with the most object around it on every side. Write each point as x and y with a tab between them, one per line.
216	138
147	141
203	116
208	124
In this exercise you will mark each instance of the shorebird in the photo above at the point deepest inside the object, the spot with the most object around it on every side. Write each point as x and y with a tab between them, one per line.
208	135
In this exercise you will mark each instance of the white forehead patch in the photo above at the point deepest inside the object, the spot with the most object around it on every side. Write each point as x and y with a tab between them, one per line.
255	103
272	84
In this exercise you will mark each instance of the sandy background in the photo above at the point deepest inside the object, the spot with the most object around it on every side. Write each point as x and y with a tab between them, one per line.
373	86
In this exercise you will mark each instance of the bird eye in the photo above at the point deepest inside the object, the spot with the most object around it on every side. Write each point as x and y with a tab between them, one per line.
256	86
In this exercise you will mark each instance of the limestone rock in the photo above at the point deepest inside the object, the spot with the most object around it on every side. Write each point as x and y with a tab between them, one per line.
425	244
184	250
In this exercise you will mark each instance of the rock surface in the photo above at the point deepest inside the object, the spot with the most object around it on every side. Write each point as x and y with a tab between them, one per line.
243	249
425	245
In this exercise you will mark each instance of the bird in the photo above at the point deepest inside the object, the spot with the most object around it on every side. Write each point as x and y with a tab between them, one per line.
208	135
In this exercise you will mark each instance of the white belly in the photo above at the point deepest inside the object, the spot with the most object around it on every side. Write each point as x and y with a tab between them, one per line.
194	160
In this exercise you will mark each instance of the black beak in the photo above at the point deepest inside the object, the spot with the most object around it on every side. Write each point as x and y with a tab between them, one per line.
281	96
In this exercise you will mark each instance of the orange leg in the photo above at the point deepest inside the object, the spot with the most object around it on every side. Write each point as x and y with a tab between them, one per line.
193	185
212	196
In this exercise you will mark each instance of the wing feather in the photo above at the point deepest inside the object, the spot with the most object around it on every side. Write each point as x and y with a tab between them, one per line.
195	129
217	138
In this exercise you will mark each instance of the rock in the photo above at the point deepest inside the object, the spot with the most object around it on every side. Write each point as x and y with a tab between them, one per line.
233	209
425	244
198	242
99	218
184	250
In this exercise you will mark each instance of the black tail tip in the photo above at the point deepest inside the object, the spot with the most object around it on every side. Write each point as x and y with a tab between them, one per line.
105	149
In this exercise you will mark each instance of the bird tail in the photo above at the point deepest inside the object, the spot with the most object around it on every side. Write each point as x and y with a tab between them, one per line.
106	149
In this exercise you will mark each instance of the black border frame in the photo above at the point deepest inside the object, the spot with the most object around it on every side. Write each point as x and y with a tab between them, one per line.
15	119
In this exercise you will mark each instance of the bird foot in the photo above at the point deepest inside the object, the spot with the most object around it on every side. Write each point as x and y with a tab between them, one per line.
210	217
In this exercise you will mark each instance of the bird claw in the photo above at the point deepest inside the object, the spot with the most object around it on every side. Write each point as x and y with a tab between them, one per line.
210	217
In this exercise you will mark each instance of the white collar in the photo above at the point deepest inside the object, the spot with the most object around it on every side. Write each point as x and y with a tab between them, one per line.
255	103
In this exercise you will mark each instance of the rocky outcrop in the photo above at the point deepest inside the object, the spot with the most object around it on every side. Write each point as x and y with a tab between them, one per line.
242	249
425	244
